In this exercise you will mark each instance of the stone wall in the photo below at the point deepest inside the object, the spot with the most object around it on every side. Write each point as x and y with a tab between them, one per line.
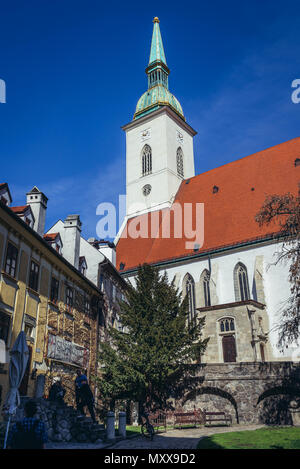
250	392
62	422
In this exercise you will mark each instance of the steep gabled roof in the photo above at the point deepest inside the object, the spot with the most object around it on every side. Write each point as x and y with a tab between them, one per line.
232	195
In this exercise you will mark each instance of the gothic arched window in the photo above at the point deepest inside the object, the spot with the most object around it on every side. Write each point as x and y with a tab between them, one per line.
146	160
190	292
205	279
241	283
227	325
179	161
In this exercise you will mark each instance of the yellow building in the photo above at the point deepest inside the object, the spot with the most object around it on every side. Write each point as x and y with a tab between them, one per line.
42	293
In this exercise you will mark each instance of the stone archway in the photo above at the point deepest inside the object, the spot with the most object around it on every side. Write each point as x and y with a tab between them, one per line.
273	405
212	399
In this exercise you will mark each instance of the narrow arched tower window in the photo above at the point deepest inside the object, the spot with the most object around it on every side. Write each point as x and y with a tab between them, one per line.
179	161
146	160
190	292
206	287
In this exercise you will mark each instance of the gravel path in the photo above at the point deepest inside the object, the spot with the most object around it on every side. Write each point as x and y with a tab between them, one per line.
172	439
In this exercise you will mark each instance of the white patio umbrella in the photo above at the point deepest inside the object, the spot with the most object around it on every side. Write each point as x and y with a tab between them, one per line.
17	366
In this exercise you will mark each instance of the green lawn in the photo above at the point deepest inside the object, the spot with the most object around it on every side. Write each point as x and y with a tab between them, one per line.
133	430
136	430
263	438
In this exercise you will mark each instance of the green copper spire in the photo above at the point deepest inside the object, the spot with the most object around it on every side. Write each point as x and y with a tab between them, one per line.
157	52
158	94
157	69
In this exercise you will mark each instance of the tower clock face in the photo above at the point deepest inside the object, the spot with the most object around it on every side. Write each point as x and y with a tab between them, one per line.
179	137
146	189
145	134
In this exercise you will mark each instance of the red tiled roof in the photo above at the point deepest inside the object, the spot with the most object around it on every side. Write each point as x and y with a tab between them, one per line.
229	212
20	208
50	236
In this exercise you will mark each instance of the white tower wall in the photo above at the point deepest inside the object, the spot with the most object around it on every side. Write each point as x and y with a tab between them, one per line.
164	132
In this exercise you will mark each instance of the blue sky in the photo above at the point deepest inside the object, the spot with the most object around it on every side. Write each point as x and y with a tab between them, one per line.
74	71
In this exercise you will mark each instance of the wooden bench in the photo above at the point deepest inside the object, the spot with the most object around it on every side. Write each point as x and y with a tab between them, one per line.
218	418
187	418
158	419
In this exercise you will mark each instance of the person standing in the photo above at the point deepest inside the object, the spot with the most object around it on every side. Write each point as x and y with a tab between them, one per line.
79	381
57	392
84	395
29	433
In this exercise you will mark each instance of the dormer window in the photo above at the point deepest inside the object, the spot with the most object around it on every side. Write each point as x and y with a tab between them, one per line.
82	265
25	213
54	240
5	196
297	162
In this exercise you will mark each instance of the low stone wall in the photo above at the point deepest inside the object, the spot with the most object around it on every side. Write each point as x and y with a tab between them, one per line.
62	422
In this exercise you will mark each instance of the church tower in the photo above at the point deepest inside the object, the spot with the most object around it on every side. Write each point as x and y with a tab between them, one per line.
159	142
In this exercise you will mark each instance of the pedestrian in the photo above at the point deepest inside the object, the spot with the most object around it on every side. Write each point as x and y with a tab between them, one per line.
81	379
29	433
84	395
57	392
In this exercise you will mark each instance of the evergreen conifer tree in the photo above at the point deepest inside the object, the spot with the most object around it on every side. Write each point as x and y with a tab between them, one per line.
152	354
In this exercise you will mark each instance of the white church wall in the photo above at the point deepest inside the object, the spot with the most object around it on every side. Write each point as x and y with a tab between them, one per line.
92	255
274	282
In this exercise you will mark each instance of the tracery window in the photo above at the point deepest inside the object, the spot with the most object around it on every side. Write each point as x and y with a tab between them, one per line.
190	292
243	285
227	325
146	160
206	287
179	161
